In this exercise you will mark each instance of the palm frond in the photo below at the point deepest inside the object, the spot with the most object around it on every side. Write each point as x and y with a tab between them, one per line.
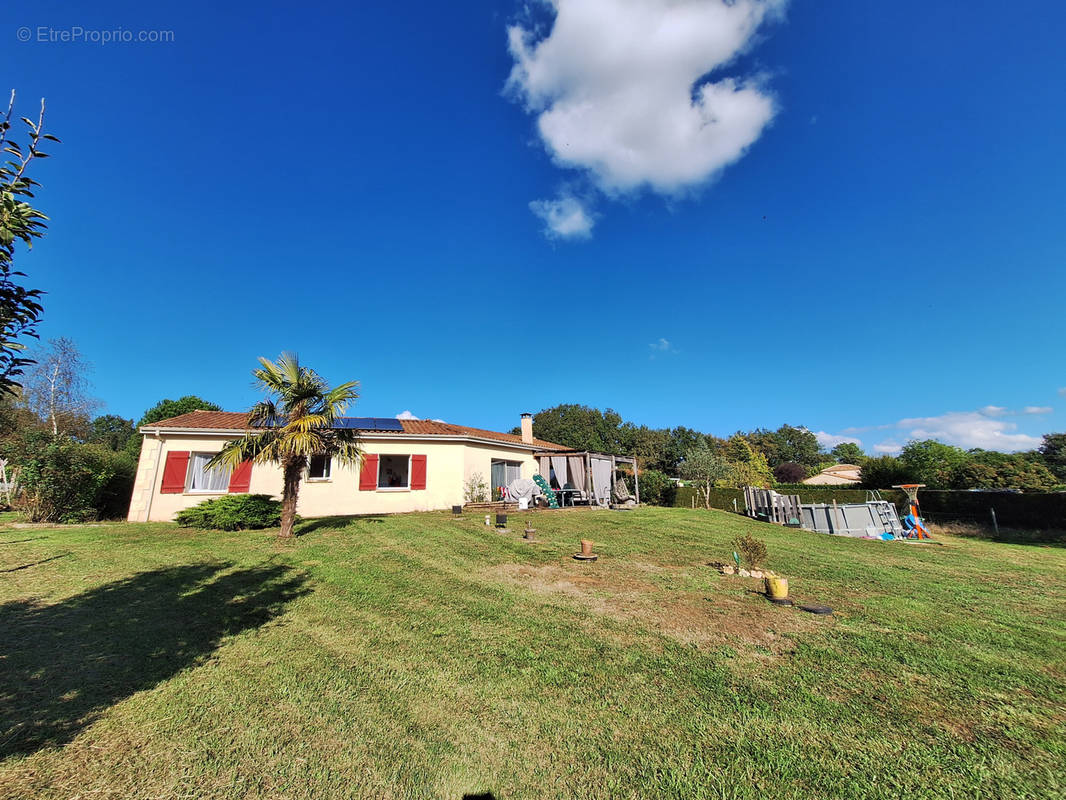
309	422
264	414
296	420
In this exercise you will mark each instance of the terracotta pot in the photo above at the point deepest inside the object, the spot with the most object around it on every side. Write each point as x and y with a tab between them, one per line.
586	547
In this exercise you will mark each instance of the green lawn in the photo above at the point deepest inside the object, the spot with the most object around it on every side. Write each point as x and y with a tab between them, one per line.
420	656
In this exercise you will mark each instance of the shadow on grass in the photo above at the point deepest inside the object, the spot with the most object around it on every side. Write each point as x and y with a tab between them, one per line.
35	563
334	523
62	665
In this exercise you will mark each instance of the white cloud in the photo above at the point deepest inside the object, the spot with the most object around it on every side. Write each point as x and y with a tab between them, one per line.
988	428
1062	391
970	429
1037	410
887	447
661	347
865	429
406	415
621	92
831	440
565	217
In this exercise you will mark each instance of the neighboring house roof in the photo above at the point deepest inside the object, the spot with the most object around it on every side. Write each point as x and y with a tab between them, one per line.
238	421
836	475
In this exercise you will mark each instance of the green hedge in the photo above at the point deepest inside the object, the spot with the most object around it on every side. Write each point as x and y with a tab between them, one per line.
1039	511
1030	511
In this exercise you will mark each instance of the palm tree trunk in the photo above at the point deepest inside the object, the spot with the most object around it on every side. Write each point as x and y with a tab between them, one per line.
293	472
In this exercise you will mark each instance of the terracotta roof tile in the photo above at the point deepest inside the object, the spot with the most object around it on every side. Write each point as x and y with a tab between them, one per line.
228	420
236	420
432	427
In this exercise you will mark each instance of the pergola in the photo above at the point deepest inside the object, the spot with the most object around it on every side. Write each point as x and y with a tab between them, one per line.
591	473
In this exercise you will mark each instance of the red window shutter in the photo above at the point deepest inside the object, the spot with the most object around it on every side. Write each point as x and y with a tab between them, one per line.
174	471
241	479
368	478
418	472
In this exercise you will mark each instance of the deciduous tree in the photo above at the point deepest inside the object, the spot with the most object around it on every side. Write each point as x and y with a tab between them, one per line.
848	453
1054	451
749	465
931	462
111	431
57	388
704	468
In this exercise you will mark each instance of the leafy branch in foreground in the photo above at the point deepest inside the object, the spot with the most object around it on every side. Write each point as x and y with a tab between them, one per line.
20	308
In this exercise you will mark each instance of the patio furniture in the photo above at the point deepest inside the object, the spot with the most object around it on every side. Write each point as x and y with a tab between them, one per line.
564	493
586	476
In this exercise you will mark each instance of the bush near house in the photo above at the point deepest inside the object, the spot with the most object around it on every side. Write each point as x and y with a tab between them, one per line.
232	512
60	480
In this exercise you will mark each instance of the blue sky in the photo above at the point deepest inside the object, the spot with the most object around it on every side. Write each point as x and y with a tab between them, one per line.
876	253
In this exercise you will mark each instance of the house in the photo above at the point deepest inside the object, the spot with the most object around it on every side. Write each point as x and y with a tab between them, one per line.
836	475
408	465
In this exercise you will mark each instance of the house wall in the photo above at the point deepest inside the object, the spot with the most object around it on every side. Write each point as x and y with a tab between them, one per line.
478	459
448	465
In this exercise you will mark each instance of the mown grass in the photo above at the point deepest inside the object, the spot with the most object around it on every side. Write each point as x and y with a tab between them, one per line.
420	656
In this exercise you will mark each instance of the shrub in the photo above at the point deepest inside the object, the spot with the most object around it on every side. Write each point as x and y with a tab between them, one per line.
790	472
60	480
475	490
233	512
656	488
751	550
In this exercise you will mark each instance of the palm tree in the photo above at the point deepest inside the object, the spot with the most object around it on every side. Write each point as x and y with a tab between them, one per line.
292	424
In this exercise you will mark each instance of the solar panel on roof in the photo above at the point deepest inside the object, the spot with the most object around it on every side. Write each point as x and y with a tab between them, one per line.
368	424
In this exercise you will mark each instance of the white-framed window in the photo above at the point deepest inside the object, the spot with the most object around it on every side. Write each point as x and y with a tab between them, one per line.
394	472
202	479
319	468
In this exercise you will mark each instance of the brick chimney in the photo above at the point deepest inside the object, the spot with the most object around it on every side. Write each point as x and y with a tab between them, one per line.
527	428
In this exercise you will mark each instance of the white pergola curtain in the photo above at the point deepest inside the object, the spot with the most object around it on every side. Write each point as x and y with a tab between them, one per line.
545	468
559	465
577	472
601	480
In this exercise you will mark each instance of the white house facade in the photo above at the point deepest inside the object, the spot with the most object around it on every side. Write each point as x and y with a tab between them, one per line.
407	465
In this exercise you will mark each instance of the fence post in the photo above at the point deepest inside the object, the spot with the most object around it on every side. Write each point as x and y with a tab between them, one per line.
994	523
